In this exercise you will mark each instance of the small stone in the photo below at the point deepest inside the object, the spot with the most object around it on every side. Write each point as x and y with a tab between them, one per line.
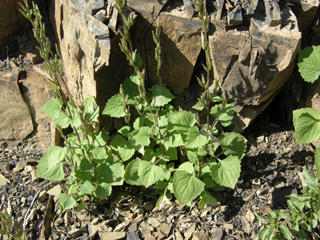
153	222
29	198
42	196
235	16
58	222
256	181
228	226
43	208
95	221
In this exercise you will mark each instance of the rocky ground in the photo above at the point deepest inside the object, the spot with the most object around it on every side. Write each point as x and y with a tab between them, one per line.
269	173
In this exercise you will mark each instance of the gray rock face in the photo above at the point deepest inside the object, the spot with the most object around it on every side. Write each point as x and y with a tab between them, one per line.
252	64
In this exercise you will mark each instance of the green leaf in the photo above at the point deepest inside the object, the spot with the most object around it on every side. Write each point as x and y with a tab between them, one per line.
162	202
138	61
103	190
174	140
317	162
198	106
142	135
52	108
224	114
100	154
306	122
101	139
54	173
227	172
81	206
187	166
131	175
302	235
162	95
111	172
186	186
75	115
130	89
149	173
310	180
216	98
56	155
262	219
122	147
171	154
309	63
135	145
62	120
135	79
124	131
180	122
285	232
233	144
85	165
66	202
114	107
86	188
195	139
192	155
138	123
91	110
209	183
206	198
267	233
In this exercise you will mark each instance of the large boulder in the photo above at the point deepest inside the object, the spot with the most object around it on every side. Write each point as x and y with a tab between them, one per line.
22	94
253	48
252	64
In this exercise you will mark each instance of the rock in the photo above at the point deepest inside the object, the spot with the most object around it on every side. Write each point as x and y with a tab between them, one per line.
10	18
149	9
305	11
273	13
219	6
90	48
15	120
252	64
3	180
188	7
235	16
181	46
37	92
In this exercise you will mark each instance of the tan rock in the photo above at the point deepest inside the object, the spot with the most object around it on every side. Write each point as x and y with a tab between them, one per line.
15	120
251	65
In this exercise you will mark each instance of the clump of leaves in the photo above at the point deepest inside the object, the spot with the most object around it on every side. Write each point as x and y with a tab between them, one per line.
302	216
95	170
150	143
144	152
304	209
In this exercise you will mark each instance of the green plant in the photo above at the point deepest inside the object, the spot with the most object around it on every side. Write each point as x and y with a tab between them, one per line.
94	168
301	217
8	226
145	150
150	141
304	209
